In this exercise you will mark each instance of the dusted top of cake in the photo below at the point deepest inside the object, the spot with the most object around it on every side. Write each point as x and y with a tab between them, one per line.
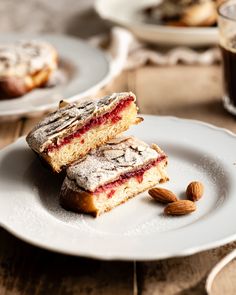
108	162
25	58
71	116
191	13
174	8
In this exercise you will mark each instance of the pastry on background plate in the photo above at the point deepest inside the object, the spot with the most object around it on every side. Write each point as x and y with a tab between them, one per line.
73	130
112	174
25	66
191	13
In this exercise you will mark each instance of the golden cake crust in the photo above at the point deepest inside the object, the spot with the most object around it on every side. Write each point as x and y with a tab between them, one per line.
25	66
87	186
67	120
80	201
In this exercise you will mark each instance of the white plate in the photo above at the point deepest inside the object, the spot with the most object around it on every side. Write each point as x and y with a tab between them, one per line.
127	14
138	229
85	69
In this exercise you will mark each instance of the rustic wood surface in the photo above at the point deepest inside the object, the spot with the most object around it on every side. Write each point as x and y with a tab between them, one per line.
185	91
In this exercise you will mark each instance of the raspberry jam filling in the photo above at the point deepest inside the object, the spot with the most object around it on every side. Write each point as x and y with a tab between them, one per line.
138	174
114	116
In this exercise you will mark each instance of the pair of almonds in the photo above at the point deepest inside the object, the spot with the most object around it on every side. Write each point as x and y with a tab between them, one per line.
194	192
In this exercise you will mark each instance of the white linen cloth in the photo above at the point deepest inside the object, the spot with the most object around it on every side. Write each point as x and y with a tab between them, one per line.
128	53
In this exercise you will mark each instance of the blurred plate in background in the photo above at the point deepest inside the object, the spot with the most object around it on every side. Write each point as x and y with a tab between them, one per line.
128	14
83	69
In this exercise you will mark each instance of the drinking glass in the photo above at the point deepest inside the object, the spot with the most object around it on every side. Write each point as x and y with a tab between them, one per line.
227	32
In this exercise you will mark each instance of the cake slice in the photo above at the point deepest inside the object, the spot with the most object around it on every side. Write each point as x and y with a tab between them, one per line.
110	175
182	13
73	130
24	66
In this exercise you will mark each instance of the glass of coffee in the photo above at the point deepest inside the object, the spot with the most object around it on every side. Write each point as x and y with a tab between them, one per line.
227	30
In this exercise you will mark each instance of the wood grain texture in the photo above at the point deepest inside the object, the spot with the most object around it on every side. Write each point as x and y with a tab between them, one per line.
185	276
225	282
184	91
9	131
28	270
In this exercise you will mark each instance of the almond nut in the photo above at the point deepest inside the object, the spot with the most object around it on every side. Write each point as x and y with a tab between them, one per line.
181	207
113	154
63	104
162	195
195	191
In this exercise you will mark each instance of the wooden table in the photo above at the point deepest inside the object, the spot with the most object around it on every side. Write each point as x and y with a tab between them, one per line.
184	91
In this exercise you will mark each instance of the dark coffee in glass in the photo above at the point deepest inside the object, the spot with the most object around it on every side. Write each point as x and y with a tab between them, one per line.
227	30
229	76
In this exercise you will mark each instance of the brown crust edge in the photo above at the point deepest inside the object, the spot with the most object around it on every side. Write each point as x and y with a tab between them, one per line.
83	202
12	87
47	158
77	201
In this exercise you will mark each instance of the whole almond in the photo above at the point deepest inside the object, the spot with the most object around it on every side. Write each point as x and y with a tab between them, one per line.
195	191
162	195
63	103
181	207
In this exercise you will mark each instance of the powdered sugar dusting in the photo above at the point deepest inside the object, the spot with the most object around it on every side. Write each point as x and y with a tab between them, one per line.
71	117
25	58
109	161
207	170
145	216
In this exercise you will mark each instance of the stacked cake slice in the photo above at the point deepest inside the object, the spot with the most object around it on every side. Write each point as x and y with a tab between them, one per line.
73	130
112	174
103	170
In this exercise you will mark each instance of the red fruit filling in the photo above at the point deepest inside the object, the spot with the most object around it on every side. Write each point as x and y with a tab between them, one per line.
114	116
138	174
111	193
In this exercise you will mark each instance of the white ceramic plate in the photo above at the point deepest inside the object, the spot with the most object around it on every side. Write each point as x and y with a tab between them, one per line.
138	229
84	69
127	14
